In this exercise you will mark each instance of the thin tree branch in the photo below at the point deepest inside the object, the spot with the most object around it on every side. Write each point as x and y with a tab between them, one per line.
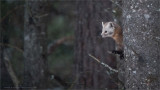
52	47
11	72
58	79
105	65
9	45
11	11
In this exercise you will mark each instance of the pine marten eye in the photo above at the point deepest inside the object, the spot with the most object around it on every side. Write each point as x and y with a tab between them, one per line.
105	32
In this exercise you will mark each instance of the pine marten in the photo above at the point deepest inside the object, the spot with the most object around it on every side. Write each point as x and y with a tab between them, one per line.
113	30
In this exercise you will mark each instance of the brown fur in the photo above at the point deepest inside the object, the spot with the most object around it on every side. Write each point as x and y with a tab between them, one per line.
118	36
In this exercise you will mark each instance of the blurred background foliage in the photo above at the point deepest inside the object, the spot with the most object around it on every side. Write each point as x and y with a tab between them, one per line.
73	31
60	61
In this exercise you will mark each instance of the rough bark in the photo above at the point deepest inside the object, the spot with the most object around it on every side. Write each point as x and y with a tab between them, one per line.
89	73
141	31
35	60
0	47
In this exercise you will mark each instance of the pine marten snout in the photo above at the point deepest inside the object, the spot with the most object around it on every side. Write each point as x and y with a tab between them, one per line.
113	30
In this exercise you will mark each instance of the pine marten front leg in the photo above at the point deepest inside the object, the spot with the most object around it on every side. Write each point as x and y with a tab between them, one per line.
113	30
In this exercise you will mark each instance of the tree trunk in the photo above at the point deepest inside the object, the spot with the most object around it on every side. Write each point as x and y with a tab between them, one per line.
141	32
5	79
89	73
35	46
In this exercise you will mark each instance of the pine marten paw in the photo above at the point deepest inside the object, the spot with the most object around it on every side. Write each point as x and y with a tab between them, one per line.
120	53
116	52
122	56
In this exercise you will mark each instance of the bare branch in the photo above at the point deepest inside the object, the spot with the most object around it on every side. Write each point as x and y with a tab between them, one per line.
11	72
10	12
52	47
105	65
9	45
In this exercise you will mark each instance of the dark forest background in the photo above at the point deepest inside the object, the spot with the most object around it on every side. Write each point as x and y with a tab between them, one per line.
51	44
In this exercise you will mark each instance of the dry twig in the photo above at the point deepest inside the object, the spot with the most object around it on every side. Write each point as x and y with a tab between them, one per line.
60	41
11	72
105	65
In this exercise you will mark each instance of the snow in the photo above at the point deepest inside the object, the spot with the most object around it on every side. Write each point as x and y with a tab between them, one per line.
114	11
147	16
144	38
158	10
134	72
149	72
157	37
52	77
128	16
133	10
134	40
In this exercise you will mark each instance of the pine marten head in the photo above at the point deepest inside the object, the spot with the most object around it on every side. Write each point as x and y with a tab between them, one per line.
108	29
113	30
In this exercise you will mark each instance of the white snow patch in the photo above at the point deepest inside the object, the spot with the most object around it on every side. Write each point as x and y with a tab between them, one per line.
52	77
136	6
144	38
132	52
143	25
134	40
147	16
158	10
134	72
114	11
133	10
149	72
157	37
128	16
129	68
129	30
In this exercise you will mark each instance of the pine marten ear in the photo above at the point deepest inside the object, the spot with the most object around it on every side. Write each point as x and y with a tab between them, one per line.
111	24
102	24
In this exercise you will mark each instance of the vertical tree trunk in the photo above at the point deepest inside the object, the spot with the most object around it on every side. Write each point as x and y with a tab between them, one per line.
89	74
0	48
142	44
35	60
5	79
